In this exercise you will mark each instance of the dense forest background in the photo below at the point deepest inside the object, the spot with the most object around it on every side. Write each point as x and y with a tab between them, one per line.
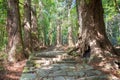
47	15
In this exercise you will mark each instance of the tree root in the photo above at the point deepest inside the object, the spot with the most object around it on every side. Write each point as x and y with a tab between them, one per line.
72	50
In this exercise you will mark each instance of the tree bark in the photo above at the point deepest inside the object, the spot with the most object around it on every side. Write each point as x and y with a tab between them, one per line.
70	37
34	29
58	36
27	27
15	46
92	28
70	31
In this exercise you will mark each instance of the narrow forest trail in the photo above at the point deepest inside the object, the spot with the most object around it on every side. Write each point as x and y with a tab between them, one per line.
57	65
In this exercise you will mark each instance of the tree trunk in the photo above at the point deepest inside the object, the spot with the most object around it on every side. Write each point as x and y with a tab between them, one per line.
70	37
34	29
44	35
70	31
58	36
27	27
92	28
15	46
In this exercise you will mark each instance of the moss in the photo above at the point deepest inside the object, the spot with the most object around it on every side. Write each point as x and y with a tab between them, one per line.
118	72
74	54
87	1
19	48
1	68
30	63
37	65
26	69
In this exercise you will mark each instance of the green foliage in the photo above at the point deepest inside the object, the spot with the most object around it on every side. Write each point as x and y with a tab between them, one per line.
26	69
3	55
30	63
111	17
113	30
118	40
3	12
109	9
87	1
3	37
53	13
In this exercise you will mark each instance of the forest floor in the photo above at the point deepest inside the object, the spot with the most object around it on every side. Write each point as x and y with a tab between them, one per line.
14	71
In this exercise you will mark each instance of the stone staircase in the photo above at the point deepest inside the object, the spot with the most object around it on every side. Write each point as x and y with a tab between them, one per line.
57	65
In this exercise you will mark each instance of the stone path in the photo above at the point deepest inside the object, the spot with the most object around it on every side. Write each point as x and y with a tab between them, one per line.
57	65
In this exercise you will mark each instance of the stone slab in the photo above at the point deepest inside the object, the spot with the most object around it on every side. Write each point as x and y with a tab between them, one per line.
28	76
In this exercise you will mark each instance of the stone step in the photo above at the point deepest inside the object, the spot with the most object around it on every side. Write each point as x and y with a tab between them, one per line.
43	60
68	59
54	58
102	77
56	65
45	56
53	73
28	76
49	53
67	62
35	58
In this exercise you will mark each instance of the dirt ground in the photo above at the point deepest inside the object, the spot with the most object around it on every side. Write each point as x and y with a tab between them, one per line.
12	71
